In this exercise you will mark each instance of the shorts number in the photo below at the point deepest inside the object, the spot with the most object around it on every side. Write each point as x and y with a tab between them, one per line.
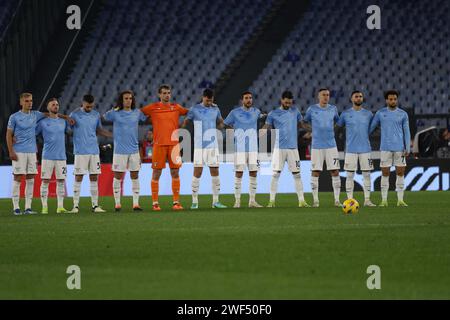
258	164
370	163
336	161
64	170
297	164
98	165
403	159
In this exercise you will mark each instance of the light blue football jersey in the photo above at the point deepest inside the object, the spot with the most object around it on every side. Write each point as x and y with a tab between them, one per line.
286	123
395	134
245	124
23	126
205	125
85	131
54	134
357	125
125	130
322	121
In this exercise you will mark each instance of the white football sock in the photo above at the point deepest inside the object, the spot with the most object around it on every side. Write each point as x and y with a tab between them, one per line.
253	184
350	184
94	193
400	187
136	189
336	187
366	176
116	191
384	187
215	188
315	188
60	193
195	187
29	188
237	188
274	185
44	194
76	193
16	194
298	186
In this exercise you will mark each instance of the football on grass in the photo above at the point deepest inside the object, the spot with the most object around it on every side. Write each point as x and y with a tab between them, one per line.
350	206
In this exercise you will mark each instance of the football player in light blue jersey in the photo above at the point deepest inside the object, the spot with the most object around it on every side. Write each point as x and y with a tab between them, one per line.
125	118
206	118
395	145
322	117
22	151
244	122
21	141
86	151
357	145
53	131
285	120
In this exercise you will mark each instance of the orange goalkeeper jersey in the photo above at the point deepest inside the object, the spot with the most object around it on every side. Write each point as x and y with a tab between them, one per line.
165	120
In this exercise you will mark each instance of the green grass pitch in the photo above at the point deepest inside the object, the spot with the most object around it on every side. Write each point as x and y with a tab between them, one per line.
277	253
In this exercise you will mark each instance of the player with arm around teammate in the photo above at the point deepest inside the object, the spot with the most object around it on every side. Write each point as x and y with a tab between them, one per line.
286	119
244	120
53	130
125	118
207	118
322	118
87	154
22	150
165	116
357	145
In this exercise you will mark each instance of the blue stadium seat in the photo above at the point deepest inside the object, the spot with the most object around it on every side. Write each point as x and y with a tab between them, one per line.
347	56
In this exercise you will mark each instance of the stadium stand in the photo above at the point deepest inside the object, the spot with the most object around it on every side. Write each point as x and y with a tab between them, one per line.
332	47
7	8
186	44
191	45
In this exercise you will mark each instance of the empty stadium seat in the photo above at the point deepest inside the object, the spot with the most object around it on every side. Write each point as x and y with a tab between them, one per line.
336	50
185	44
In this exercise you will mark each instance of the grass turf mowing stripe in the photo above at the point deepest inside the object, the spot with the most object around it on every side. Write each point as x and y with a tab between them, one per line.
284	252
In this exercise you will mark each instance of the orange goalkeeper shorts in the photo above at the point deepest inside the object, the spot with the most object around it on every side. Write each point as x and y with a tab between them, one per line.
163	154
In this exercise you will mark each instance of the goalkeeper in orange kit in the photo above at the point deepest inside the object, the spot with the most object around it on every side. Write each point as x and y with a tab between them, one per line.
165	119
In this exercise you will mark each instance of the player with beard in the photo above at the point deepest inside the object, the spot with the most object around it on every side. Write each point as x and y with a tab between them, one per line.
357	145
86	150
53	130
395	145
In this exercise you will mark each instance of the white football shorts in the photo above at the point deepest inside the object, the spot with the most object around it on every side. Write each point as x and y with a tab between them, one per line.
330	156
